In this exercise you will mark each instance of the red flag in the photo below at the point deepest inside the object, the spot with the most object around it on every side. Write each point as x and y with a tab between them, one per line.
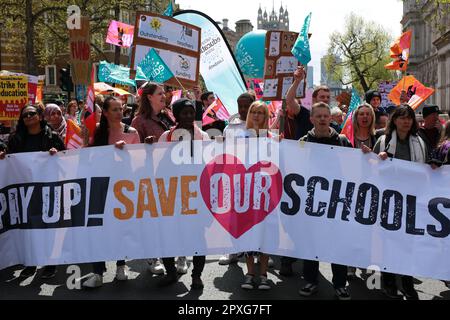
216	111
90	100
416	92
90	122
400	52
74	138
258	85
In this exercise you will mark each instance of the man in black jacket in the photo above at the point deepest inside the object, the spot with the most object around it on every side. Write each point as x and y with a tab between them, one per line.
322	133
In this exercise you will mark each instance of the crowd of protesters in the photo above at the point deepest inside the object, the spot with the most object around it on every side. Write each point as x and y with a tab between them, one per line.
392	132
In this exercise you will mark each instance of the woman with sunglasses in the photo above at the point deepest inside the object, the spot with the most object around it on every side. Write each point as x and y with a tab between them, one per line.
33	135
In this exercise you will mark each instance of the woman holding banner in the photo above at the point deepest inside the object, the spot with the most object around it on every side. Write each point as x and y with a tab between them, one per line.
184	112
33	134
151	122
401	141
109	131
442	154
257	126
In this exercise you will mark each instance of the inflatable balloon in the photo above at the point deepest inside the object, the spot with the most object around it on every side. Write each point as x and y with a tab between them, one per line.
250	52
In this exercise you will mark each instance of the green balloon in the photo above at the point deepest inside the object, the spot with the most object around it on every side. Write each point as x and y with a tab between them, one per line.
250	54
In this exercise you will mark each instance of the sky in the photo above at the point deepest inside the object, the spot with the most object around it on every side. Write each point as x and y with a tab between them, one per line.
327	16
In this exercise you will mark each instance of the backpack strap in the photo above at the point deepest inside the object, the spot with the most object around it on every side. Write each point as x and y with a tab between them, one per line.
169	136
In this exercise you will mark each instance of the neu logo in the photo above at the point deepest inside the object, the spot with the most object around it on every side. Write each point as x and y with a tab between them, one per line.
237	197
156	72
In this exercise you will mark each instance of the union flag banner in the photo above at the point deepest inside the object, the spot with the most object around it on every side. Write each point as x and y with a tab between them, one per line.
216	111
400	52
416	92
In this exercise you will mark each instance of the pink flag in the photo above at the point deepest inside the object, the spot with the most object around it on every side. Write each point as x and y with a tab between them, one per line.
216	111
120	34
347	130
176	95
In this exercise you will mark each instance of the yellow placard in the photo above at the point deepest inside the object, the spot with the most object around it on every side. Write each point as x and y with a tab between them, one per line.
13	96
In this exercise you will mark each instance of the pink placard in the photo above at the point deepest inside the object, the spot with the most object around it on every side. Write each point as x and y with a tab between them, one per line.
120	34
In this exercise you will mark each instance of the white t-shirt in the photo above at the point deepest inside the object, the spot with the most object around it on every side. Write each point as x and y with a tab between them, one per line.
165	136
236	128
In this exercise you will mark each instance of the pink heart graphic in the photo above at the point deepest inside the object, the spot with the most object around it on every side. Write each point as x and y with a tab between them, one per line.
237	197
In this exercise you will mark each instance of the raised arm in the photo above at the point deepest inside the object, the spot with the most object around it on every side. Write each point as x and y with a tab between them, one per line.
292	104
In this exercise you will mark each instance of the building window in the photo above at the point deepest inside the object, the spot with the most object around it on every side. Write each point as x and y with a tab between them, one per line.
50	75
126	17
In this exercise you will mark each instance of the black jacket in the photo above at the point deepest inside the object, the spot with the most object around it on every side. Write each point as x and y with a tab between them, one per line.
50	139
334	139
302	123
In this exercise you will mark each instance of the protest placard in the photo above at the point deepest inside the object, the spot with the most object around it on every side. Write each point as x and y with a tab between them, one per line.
13	96
280	66
80	53
176	42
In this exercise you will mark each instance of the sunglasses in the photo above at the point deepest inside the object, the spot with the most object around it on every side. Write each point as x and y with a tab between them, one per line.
29	114
259	113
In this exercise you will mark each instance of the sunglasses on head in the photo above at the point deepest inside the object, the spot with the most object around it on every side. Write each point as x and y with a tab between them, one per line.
30	114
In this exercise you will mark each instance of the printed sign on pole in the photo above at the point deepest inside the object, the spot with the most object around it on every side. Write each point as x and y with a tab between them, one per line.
80	53
280	66
178	45
13	96
120	34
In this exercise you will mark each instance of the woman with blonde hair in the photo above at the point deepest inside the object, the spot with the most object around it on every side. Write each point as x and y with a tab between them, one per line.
258	121
363	121
257	126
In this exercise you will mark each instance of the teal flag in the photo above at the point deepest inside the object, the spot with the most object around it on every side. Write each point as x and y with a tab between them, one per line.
112	73
355	101
301	49
154	68
169	10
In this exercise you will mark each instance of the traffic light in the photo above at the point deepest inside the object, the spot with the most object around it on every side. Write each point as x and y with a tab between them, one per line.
65	79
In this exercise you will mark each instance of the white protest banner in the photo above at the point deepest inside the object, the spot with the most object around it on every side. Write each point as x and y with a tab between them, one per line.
302	200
